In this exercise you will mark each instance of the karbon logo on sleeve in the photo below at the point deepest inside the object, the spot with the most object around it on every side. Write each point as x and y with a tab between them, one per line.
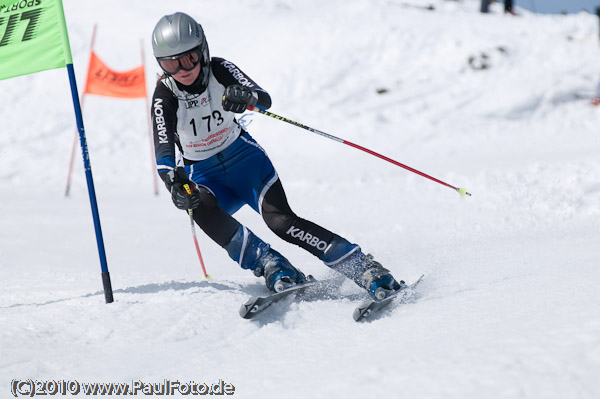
237	74
160	122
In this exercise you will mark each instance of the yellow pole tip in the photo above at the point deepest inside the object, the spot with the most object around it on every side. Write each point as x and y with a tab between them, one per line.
462	191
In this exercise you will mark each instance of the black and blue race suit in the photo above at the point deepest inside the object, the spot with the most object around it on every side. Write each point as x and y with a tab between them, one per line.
229	166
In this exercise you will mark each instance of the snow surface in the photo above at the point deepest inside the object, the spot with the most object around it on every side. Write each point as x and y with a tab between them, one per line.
510	305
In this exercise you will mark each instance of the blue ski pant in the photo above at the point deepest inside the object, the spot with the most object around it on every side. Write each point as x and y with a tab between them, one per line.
242	174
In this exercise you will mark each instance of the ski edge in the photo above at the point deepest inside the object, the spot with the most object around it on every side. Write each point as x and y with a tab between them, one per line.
257	304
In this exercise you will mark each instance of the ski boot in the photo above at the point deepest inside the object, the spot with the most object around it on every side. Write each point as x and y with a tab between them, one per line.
368	274
252	253
278	271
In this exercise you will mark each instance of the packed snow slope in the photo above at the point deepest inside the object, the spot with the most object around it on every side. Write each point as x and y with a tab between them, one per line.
510	305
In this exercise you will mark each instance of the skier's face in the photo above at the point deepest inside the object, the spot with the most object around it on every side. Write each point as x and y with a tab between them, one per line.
187	77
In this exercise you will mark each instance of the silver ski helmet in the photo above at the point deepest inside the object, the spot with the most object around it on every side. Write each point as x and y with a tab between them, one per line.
176	36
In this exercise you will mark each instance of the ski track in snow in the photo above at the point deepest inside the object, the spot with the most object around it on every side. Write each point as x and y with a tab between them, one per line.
509	304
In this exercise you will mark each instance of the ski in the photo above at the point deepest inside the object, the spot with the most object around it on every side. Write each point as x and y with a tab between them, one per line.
257	304
370	306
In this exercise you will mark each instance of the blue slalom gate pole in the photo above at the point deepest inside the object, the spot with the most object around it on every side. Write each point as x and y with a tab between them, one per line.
108	294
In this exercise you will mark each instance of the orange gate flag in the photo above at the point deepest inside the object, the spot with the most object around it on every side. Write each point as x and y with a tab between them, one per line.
103	81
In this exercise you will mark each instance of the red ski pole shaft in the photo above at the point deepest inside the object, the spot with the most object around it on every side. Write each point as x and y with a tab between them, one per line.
461	191
196	243
191	213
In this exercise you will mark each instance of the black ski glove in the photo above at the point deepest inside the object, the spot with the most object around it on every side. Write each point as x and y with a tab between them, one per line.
237	98
184	192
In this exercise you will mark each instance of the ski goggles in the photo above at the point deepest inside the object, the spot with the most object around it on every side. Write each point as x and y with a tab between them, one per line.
186	62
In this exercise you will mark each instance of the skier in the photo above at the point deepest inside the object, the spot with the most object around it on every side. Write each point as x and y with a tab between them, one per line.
193	109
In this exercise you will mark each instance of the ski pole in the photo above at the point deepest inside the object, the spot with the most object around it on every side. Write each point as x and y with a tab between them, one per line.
191	213
461	191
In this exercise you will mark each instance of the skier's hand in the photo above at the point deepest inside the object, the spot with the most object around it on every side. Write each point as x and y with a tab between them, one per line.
184	192
237	98
185	195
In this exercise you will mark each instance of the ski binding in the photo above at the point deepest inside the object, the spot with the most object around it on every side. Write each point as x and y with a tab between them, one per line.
370	306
